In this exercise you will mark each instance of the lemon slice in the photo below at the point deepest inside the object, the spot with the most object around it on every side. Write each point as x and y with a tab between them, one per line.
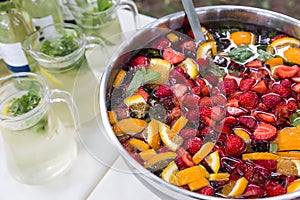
171	139
179	124
207	49
219	177
112	117
213	160
138	144
51	77
242	38
169	173
129	126
137	104
294	186
147	154
119	78
203	152
260	156
160	161
5	110
282	44
151	134
242	134
191	174
198	184
239	187
190	67
288	167
163	67
292	55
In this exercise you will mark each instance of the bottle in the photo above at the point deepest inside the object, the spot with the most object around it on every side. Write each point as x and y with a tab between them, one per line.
67	15
13	30
42	12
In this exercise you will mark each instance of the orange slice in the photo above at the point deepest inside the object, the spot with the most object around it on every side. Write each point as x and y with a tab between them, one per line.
169	173
207	49
179	124
219	177
198	184
260	156
213	160
272	62
243	38
243	134
294	186
208	36
288	139
292	55
162	66
134	99
160	161
170	138
139	144
119	78
191	174
203	152
147	154
151	134
239	187
282	44
129	126
112	117
190	67
289	154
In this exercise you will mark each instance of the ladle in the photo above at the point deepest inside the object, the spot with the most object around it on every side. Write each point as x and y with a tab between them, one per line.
193	20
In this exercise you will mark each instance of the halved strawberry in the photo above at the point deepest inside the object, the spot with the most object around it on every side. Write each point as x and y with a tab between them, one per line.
139	61
192	145
161	44
281	90
255	64
260	87
254	191
144	94
274	188
234	145
278	37
296	79
173	56
270	100
248	122
264	131
231	121
234	111
266	117
184	159
248	100
284	71
246	84
296	87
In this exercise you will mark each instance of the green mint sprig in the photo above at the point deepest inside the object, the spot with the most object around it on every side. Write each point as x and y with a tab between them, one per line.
141	77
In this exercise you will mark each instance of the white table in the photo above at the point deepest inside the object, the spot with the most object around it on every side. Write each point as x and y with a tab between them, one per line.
88	178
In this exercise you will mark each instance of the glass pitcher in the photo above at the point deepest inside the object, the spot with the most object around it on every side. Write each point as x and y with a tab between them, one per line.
69	71
100	22
38	146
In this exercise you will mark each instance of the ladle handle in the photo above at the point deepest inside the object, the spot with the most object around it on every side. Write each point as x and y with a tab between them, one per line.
193	20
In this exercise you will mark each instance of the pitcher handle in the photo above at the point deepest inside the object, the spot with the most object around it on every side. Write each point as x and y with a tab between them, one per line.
129	4
58	96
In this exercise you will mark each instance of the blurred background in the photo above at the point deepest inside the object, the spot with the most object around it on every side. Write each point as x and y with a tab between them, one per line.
155	8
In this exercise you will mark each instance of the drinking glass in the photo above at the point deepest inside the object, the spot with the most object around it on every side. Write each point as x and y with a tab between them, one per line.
38	146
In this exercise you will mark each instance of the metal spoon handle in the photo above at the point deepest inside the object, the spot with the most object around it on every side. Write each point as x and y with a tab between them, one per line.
193	20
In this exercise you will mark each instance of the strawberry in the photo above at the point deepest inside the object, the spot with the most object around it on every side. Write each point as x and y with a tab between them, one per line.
205	91
253	191
144	94
296	79
286	83
284	71
193	145
230	121
139	61
200	82
246	84
161	44
192	115
163	91
191	101
274	188
188	46
223	129
234	145
248	122
179	90
232	102
205	101
292	105
278	37
173	56
266	117
260	87
270	100
219	99
254	64
282	91
296	87
196	90
234	111
217	113
248	100
191	34
178	75
271	165
205	111
184	159
262	107
230	86
264	131
207	190
189	133
212	79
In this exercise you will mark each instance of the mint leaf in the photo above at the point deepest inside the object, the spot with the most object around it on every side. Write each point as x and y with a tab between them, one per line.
263	55
273	147
104	5
295	118
240	54
141	77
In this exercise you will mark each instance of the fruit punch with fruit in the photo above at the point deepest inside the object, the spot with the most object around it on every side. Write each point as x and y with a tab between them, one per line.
242	84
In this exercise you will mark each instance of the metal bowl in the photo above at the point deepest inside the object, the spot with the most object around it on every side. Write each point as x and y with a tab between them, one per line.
221	14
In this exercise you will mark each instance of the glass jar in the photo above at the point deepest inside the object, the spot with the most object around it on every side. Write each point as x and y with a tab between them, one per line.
37	144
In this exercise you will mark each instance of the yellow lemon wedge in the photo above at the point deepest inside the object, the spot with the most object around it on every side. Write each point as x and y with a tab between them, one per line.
151	134
260	156
294	186
119	78
282	44
179	124
242	134
190	67
239	187
191	174
170	138
169	173
147	154
160	161
203	152
139	144
213	160
207	49
219	177
163	67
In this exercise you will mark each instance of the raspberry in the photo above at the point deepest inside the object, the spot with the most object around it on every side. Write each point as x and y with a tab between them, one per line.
234	146
193	145
286	83
184	159
248	100
205	101
205	111
163	91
